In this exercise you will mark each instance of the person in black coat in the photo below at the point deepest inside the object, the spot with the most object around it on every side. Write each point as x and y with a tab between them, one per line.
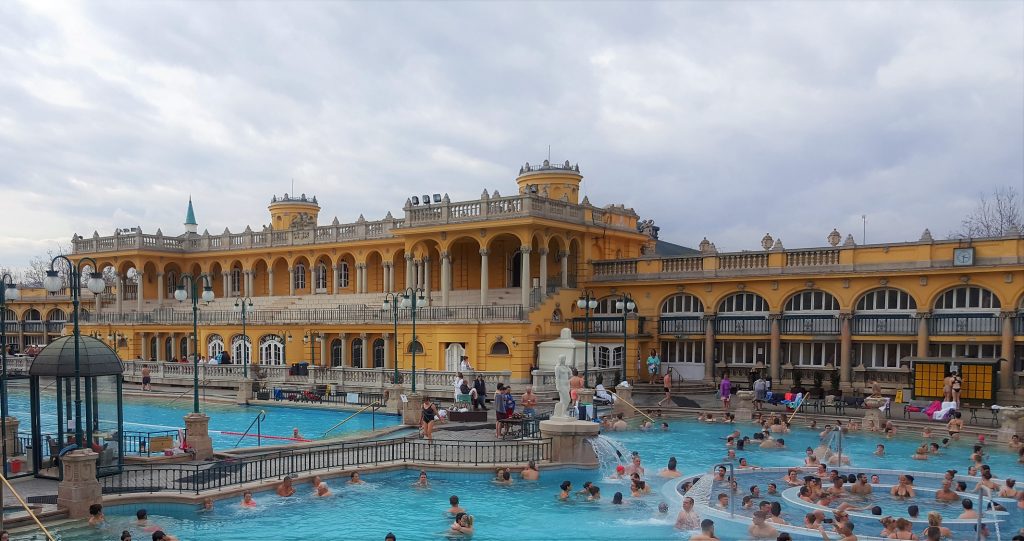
481	393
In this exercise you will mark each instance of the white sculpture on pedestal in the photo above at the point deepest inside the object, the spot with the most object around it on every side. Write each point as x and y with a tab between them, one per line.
562	373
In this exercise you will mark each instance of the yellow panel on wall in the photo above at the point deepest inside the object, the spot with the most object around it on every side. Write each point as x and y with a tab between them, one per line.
928	380
978	382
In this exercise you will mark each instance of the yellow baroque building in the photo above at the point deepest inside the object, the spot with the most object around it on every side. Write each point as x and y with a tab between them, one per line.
500	274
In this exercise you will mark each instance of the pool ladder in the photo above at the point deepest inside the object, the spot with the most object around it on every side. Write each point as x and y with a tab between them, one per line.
258	421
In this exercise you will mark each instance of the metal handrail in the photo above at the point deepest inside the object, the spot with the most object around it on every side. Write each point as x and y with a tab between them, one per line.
627	402
258	421
27	508
360	410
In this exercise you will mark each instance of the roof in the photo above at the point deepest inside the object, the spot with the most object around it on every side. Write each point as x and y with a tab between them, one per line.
190	216
668	249
58	359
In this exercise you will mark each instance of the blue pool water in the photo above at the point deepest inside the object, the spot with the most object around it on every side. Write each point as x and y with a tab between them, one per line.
529	510
155	414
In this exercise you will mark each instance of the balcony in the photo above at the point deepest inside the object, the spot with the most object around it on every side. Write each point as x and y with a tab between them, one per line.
678	325
964	324
599	326
742	325
512	312
820	324
894	325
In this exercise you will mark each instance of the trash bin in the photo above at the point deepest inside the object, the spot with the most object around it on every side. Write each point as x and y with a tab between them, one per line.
14	465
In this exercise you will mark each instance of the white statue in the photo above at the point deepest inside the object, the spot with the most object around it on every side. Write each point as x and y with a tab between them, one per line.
562	373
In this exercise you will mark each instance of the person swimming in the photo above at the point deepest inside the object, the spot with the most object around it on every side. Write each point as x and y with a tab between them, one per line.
247	500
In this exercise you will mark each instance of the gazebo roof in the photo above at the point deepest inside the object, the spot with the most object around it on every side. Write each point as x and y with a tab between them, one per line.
58	359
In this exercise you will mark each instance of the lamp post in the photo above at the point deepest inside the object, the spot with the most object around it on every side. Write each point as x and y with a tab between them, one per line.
115	337
8	290
409	299
626	305
53	283
312	338
240	304
587	302
180	295
391	301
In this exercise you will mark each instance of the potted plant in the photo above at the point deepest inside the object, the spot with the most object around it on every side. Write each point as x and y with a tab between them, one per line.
834	380
797	383
818	391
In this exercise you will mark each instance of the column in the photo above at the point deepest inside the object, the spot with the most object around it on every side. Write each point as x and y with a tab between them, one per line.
563	256
139	286
426	279
391	275
359	280
1006	356
922	333
119	283
388	353
446	272
99	303
365	350
366	277
543	272
226	284
483	276
386	269
160	289
524	276
323	351
270	283
291	281
336	269
709	349
344	350
845	347
775	350
21	333
408	271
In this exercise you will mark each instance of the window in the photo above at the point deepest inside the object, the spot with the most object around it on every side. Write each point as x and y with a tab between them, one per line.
236	281
811	353
879	355
32	315
416	345
168	349
812	301
607	356
57	315
499	348
10	315
378	353
967	298
183	348
300	276
343	274
1018	358
241	349
682	351
743	302
607	306
968	351
214	345
171	283
271	350
886	299
337	353
742	352
357	353
321	278
683	303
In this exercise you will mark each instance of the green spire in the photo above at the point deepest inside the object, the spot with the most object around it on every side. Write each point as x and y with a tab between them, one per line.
190	217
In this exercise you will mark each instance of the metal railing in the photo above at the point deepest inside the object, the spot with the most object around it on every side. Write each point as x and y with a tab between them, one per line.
820	324
598	325
682	325
195	478
959	324
901	325
742	325
510	312
139	443
318	394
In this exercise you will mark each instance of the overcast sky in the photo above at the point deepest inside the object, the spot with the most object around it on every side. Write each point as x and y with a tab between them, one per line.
718	119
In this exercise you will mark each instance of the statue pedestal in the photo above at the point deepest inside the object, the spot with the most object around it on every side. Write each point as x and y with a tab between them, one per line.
197	430
244	392
1011	421
79	489
744	405
624	394
873	413
394	402
411	410
11	443
568	440
586	400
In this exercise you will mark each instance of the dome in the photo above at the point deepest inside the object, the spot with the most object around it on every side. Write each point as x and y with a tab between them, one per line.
58	359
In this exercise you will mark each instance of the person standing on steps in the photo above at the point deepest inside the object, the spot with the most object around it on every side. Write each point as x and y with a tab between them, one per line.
653	365
667	380
725	391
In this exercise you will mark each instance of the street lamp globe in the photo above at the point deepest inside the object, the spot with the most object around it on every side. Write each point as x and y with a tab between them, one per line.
406	301
592	304
581	304
180	294
207	294
96	283
13	293
386	305
52	282
631	306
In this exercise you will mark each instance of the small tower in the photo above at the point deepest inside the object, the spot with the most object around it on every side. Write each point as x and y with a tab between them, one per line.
293	212
552	180
190	219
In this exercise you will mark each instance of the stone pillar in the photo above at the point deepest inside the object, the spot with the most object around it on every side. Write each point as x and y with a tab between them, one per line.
79	489
845	349
872	412
411	410
624	394
544	278
98	299
323	350
244	391
160	289
225	284
1011	421
359	278
11	439
249	283
388	353
291	281
568	440
563	256
426	279
197	427
922	333
709	349
744	405
139	287
270	283
366	350
446	273
391	275
408	271
386	269
775	350
524	276
483	276
119	282
1006	358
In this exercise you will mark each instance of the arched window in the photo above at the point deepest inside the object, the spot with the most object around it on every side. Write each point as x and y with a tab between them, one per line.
743	302
608	356
32	315
378	353
153	347
683	303
214	345
271	350
968	298
10	315
417	346
357	353
337	353
499	348
608	306
241	349
83	314
236	281
300	276
343	274
812	301
171	283
168	349
183	347
57	315
889	300
321	278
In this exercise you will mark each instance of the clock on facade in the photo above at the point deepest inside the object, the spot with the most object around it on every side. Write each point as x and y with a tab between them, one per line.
963	257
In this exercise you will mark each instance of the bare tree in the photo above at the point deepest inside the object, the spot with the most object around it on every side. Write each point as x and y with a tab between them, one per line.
997	214
38	265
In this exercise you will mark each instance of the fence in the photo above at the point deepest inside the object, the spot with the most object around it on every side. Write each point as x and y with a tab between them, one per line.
885	325
195	478
140	443
509	312
959	324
